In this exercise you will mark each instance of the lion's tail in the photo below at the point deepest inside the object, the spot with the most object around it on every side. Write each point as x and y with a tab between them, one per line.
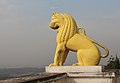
105	48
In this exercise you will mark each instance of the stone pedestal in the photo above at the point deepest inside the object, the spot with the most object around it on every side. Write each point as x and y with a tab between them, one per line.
85	74
65	69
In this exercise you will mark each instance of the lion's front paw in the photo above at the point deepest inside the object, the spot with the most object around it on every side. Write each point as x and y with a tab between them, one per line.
77	64
52	65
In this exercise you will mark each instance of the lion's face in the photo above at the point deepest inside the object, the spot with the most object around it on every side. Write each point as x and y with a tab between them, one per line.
55	21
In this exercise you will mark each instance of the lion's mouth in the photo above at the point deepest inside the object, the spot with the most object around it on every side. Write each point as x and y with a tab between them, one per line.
53	26
57	27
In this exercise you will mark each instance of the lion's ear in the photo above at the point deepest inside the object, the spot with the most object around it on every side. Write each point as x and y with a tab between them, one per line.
53	13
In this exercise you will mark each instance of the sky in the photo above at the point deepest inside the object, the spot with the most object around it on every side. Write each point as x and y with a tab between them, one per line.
27	41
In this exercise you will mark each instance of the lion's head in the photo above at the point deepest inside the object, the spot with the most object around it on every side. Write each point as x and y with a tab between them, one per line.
56	20
65	25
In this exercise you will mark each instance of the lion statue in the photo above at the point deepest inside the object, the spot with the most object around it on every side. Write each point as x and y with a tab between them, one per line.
69	38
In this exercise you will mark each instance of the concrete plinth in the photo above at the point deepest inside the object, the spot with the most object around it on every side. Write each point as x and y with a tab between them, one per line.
103	77
85	74
65	69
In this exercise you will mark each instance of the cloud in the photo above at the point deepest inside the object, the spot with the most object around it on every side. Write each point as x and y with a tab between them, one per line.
109	17
54	7
7	11
3	3
6	5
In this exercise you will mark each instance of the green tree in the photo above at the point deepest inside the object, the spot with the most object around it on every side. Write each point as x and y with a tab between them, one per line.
113	63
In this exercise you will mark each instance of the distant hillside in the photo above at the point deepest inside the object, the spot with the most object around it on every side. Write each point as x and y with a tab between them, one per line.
15	72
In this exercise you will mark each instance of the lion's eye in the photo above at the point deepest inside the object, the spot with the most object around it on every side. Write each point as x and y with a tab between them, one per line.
57	27
53	18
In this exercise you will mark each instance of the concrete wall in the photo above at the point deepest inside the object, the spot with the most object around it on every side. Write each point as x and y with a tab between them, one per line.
69	76
118	79
85	74
87	80
63	78
100	78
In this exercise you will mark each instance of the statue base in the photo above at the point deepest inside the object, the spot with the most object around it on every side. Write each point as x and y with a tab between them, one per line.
84	74
65	69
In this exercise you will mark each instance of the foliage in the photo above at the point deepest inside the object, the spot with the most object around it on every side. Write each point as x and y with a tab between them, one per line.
113	63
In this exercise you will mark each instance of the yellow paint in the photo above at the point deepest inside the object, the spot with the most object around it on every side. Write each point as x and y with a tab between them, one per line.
70	39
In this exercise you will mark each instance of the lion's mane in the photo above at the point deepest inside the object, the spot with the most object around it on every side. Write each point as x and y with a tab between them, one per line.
67	29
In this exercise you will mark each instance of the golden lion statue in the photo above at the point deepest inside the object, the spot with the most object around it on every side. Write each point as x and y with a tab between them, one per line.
70	39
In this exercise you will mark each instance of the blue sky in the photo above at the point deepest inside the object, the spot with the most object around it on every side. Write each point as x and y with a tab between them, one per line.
27	41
